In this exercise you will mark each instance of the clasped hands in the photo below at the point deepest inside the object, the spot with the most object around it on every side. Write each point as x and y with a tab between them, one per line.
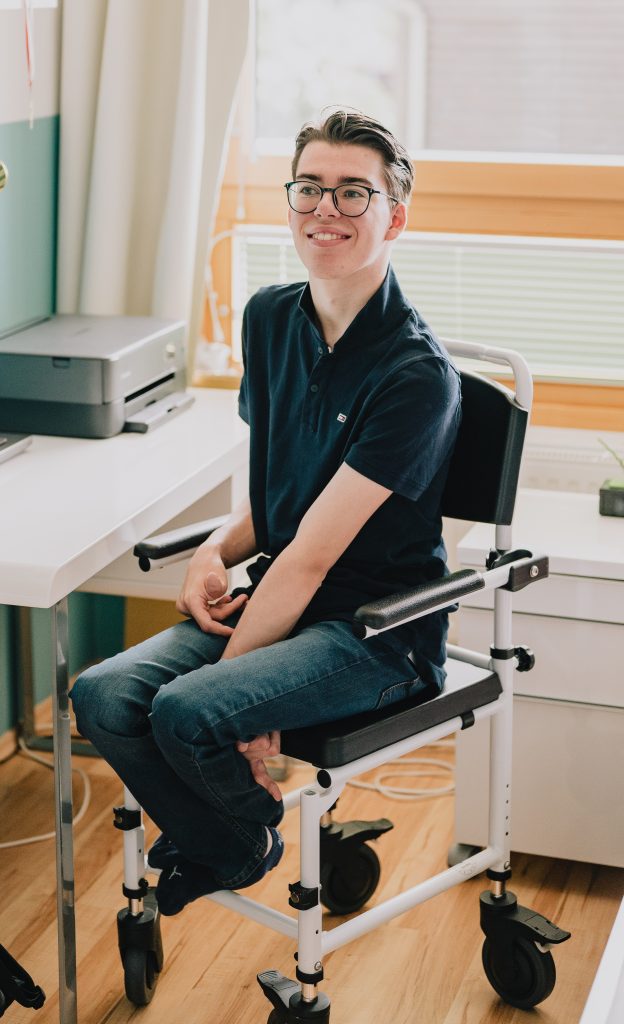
204	593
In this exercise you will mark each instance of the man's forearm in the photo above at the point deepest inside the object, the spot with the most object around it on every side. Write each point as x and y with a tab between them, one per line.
277	604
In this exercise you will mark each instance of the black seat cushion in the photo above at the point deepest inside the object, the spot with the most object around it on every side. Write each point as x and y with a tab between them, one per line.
336	743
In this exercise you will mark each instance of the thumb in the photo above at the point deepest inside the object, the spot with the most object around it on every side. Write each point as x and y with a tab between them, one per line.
215	586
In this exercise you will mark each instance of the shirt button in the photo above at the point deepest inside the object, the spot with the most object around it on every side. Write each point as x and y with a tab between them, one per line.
320	350
314	387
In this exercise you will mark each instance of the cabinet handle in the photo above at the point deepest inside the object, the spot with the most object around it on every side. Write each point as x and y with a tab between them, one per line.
4	175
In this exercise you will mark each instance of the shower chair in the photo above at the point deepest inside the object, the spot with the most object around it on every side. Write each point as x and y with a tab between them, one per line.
338	867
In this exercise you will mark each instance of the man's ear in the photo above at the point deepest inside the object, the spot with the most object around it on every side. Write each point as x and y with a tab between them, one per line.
398	222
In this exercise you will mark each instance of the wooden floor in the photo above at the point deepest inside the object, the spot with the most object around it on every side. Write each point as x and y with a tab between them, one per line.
422	968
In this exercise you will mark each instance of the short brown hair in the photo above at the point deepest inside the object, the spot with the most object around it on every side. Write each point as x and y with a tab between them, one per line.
357	129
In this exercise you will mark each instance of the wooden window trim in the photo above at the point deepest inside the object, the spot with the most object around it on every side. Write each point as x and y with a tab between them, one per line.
534	200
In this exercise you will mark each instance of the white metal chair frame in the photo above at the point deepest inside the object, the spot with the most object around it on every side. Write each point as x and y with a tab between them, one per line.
506	925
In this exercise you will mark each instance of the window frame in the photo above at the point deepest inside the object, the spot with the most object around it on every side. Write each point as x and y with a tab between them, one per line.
529	194
413	114
546	361
562	200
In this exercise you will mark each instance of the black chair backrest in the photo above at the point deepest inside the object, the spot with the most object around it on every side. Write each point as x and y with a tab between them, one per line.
483	475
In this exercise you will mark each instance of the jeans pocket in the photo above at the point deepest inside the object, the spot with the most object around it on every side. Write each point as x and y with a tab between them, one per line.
400	691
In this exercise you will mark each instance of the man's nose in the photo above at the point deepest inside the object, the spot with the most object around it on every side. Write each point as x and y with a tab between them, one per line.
326	206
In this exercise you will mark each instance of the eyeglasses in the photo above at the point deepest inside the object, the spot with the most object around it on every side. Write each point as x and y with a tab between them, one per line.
350	200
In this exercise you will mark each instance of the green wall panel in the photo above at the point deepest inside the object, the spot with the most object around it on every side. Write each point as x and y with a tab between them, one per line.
96	627
28	222
27	295
96	631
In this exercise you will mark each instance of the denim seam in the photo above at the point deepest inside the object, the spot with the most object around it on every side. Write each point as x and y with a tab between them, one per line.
389	689
223	810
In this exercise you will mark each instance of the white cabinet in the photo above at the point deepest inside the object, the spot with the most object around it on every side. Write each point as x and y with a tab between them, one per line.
568	760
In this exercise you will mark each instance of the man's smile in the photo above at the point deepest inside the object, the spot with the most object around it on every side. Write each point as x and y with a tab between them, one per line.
327	236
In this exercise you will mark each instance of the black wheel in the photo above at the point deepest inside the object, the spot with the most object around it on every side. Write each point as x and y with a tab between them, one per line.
524	978
140	975
275	1018
347	887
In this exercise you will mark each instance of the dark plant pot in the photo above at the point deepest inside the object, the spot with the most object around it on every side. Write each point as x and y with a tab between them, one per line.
612	498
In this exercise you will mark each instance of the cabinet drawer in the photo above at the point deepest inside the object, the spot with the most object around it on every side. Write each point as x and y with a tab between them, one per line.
572	597
566	793
578	661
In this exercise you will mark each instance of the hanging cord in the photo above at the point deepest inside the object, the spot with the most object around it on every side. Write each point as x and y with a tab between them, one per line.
29	30
86	798
435	768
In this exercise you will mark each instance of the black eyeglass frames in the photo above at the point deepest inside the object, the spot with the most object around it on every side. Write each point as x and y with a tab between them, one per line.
350	199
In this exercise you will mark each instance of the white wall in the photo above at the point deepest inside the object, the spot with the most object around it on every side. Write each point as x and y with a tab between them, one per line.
14	93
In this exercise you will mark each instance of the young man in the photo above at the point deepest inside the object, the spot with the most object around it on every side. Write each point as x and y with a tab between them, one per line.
353	410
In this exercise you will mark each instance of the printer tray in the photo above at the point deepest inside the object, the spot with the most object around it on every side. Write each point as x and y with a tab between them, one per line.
156	413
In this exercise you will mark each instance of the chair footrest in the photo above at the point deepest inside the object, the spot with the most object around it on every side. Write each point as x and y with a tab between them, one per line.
332	744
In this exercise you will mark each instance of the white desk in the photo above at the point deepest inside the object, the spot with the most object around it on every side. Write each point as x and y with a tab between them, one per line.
68	508
569	711
605	1004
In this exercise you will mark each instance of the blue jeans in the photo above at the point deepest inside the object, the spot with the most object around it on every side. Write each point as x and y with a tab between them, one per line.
167	714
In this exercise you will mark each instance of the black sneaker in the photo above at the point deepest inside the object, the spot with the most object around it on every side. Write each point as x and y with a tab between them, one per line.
163	853
183	882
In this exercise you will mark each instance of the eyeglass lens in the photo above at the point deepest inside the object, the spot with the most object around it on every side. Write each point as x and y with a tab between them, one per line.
351	200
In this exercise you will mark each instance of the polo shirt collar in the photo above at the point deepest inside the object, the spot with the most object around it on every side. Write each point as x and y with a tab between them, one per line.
383	314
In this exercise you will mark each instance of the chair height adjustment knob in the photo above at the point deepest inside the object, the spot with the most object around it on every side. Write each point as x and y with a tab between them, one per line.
526	658
302	898
125	819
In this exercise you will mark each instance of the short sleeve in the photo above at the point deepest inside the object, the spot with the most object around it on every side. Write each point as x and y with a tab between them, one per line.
409	426
243	396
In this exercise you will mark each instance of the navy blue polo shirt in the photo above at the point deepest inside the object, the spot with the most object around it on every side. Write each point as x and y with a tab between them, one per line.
387	402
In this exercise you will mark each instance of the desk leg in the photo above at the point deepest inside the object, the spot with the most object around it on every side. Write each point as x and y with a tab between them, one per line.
63	816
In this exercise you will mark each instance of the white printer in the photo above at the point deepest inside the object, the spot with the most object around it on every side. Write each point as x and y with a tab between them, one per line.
92	376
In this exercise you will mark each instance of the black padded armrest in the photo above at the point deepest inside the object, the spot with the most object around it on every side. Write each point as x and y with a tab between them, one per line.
390	611
174	542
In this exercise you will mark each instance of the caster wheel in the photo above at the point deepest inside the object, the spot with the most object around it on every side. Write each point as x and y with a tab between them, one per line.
460	852
140	975
275	1018
523	979
347	887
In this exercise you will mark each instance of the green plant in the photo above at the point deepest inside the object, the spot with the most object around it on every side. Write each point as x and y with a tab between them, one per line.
615	455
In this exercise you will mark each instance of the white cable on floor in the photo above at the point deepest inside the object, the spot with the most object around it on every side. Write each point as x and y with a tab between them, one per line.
86	798
412	793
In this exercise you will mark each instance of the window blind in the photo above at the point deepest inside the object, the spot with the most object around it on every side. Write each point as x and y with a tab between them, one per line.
558	302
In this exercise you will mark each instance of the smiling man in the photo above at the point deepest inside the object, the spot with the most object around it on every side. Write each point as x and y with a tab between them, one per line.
353	409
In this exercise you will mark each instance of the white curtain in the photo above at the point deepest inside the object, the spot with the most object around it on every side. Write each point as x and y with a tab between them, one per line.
147	94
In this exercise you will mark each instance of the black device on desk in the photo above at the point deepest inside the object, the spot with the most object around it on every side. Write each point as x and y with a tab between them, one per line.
92	376
13	444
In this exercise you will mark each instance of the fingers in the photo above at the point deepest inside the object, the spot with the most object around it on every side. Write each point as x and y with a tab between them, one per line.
262	777
265	745
276	741
205	620
227	606
209	617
